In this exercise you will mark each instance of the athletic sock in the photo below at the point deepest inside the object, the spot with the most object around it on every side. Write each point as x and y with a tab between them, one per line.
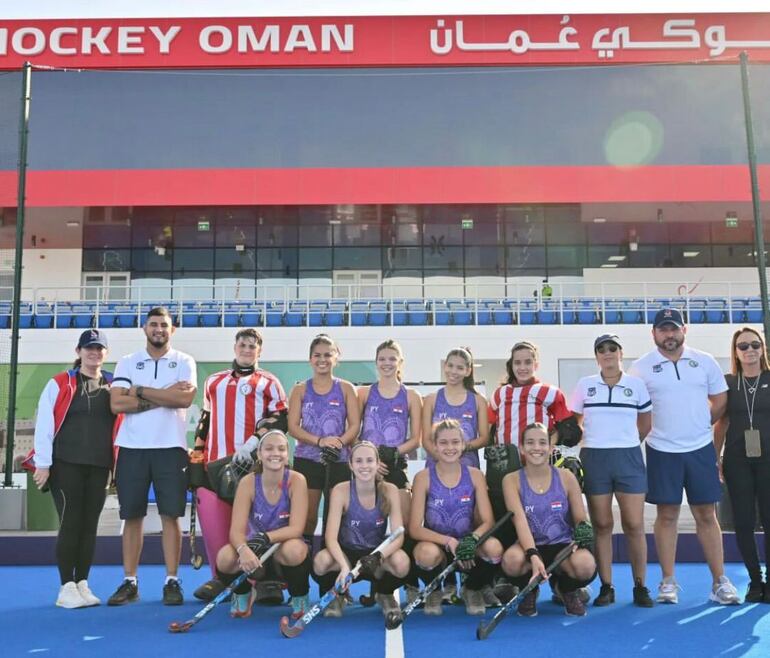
481	574
428	575
131	579
568	584
387	584
170	578
297	577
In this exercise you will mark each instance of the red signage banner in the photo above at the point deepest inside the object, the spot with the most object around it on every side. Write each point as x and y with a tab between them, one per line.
384	41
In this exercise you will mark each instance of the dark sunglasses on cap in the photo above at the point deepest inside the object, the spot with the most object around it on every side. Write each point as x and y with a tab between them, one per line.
607	347
754	345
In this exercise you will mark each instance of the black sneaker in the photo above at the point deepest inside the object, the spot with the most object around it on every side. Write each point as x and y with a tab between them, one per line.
528	605
127	592
172	593
209	590
642	597
606	595
755	593
573	605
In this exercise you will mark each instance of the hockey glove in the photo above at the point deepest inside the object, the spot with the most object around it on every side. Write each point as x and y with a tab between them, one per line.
370	563
584	535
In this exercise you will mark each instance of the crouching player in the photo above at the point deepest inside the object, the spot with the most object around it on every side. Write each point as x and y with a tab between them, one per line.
549	514
359	511
270	506
448	497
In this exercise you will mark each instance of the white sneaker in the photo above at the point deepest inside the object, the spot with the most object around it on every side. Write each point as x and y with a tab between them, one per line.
668	591
69	597
724	592
88	596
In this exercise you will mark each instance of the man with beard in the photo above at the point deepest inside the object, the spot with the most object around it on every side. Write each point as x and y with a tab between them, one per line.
688	392
153	387
240	404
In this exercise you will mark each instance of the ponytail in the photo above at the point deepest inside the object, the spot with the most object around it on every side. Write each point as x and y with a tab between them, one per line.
78	362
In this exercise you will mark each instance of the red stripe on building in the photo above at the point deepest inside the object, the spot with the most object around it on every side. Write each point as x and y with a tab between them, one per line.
544	184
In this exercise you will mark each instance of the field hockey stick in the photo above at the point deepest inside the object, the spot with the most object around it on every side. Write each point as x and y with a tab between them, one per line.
196	559
292	630
484	630
396	618
183	627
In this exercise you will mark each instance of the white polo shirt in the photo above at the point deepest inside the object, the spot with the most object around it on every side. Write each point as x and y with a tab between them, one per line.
160	427
610	412
681	421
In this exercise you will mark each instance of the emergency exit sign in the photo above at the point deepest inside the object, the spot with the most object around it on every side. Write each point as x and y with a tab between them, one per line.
204	225
466	223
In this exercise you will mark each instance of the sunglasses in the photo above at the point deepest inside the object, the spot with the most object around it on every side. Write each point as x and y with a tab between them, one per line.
607	348
754	345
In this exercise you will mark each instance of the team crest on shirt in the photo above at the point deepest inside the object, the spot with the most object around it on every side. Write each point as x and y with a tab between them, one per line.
627	392
693	364
140	365
245	388
172	364
591	391
380	521
556	506
657	368
465	499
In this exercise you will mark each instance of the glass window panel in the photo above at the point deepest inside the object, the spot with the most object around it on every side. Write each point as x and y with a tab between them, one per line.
401	233
355	234
599	255
571	258
231	260
236	226
524	225
606	233
350	258
449	259
194	227
743	233
684	233
649	255
486	259
401	258
315	259
733	255
106	260
485	232
106	236
566	233
278	260
193	260
691	255
442	234
315	235
151	227
525	258
149	260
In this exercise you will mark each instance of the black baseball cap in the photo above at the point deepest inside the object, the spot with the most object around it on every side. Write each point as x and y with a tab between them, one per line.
607	338
668	316
92	337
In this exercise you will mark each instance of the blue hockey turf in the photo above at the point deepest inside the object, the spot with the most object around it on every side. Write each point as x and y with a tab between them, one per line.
30	624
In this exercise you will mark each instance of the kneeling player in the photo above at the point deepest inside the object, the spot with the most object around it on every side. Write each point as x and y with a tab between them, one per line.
270	506
359	511
548	512
447	498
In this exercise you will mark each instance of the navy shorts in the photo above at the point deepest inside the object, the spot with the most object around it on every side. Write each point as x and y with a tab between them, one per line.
607	470
164	468
315	473
668	473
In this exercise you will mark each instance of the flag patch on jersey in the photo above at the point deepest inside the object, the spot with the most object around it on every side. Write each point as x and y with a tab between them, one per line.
465	499
284	515
556	506
467	415
379	522
398	410
334	403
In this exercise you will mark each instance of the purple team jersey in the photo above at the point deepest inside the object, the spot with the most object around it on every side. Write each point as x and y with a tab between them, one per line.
547	513
386	420
322	415
466	415
450	511
362	528
265	517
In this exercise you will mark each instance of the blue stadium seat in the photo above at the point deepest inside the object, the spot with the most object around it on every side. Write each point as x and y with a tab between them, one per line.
462	313
335	315
83	317
716	310
43	318
359	313
378	314
441	313
64	316
418	313
126	316
547	317
400	313
5	320
209	315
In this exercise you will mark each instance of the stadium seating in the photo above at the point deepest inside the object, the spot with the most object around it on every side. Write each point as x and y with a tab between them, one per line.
382	312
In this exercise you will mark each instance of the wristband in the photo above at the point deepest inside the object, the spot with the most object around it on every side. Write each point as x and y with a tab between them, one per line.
531	552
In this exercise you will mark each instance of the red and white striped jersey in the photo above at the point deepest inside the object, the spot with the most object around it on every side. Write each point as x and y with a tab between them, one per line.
514	407
236	405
